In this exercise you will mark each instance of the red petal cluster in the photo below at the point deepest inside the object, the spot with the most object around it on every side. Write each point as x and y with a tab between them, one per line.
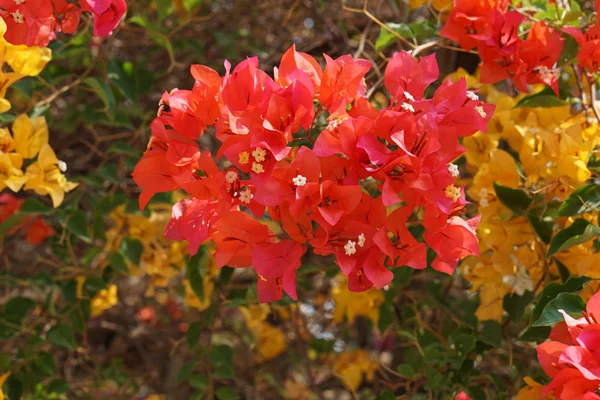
572	358
34	230
316	192
35	22
487	25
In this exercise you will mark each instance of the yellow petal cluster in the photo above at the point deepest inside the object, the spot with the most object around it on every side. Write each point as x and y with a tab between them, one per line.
17	62
353	366
28	144
540	150
270	340
350	305
105	299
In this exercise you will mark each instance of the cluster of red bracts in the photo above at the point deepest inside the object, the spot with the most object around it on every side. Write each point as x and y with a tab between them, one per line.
35	22
34	230
317	193
571	358
487	25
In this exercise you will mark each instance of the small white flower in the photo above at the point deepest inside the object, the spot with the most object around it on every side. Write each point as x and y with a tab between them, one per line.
479	109
18	17
259	154
332	125
472	96
483	193
534	130
350	248
407	107
409	96
246	196
453	169
520	281
62	166
231	176
483	203
361	240
299	180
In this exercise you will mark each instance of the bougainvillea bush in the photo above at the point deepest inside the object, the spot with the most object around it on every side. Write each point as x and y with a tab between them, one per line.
314	200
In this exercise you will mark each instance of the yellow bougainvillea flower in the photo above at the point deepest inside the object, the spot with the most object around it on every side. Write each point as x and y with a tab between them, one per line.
30	134
3	379
11	175
352	304
533	390
105	299
353	366
46	178
270	340
7	143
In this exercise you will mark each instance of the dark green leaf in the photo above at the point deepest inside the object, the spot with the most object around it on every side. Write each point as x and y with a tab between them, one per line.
562	270
186	371
104	92
227	393
17	308
541	226
570	303
33	205
9	223
580	231
584	198
196	268
515	200
545	98
491	333
386	395
553	289
411	32
514	305
132	249
405	370
198	381
78	225
62	335
193	334
118	263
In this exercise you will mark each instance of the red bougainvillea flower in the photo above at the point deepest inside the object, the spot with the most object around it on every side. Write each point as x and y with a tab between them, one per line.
571	358
107	14
30	22
34	230
317	193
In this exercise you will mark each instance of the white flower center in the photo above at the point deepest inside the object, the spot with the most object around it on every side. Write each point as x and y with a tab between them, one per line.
479	109
407	107
18	17
62	166
472	96
350	248
361	240
246	196
259	154
299	180
19	2
231	176
453	169
409	96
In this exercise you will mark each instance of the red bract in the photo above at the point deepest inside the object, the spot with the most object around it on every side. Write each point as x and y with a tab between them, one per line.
316	192
34	22
488	26
572	359
33	230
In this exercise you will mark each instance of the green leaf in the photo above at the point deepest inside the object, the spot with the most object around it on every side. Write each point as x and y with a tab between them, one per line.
118	263
196	268
514	305
198	381
580	231
570	303
33	205
62	335
191	5
224	371
186	371
386	395
553	289
405	370
110	173
515	200
569	50
227	393
104	92
414	31
491	333
546	98
78	225
541	226
220	355
584	198
9	223
17	308
132	249
193	334
563	271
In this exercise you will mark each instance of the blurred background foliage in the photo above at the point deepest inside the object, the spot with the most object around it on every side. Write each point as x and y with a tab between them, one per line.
107	308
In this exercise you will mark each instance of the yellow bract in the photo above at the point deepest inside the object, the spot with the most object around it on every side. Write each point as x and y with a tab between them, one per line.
105	299
353	366
29	135
353	304
532	390
3	379
45	178
270	340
